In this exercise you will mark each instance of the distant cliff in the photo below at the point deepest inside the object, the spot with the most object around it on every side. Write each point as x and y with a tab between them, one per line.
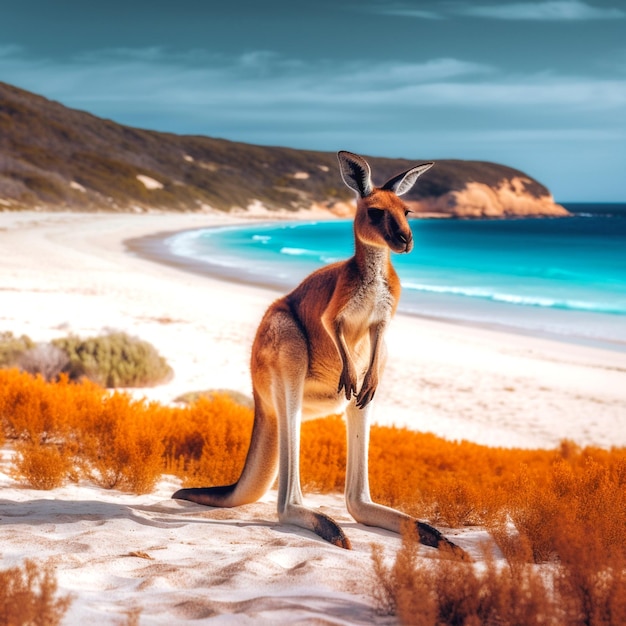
54	157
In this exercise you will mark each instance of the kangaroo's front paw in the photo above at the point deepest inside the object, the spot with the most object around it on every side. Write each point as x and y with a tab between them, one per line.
366	395
347	382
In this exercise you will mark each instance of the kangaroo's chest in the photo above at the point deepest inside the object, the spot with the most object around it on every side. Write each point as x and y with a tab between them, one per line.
370	303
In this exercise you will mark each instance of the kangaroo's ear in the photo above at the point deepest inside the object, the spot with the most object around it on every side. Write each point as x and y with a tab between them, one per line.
401	183
355	172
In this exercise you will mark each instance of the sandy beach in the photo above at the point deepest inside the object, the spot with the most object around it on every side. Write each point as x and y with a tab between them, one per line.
72	273
64	273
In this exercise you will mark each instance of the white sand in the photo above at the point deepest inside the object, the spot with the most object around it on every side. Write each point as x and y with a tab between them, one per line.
62	273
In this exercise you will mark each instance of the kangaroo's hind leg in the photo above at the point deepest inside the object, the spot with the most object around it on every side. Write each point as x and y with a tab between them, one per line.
281	366
358	499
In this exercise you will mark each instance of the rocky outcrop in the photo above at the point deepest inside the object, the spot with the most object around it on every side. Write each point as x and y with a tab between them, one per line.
478	200
510	198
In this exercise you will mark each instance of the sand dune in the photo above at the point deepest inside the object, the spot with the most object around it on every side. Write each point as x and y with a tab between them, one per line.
177	562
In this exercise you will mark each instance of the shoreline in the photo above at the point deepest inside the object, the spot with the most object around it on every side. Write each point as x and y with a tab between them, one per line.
155	248
68	273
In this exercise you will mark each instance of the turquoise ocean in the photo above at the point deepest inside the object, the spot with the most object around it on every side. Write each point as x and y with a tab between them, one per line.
563	277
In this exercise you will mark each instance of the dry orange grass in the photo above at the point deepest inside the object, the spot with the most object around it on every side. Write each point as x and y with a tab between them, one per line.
65	431
451	592
582	588
206	443
565	506
27	596
41	466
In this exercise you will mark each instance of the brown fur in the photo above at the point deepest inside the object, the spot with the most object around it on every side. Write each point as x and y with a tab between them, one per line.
320	350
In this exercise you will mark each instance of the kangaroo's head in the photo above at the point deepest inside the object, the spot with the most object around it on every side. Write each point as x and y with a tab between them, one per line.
381	216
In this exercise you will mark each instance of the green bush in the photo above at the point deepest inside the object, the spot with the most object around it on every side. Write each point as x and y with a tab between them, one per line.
12	347
114	360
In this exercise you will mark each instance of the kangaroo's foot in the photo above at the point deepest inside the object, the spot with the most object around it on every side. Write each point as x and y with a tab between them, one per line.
208	496
430	536
377	515
319	523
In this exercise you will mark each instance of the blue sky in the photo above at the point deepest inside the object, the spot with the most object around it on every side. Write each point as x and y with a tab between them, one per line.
538	85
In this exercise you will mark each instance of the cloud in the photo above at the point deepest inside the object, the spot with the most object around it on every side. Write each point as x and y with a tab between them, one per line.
257	78
517	136
389	75
10	50
568	93
549	10
405	11
552	10
264	97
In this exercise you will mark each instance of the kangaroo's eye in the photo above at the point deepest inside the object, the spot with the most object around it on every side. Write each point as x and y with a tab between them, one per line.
375	215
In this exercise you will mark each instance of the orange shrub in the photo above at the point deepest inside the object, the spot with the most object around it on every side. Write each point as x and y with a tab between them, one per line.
27	596
80	429
41	466
586	492
120	444
447	591
323	454
590	580
584	587
207	442
34	410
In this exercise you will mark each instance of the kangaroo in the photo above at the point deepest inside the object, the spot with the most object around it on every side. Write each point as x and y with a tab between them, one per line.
320	350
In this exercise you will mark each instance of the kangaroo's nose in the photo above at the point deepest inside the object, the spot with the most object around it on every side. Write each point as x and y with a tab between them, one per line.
407	240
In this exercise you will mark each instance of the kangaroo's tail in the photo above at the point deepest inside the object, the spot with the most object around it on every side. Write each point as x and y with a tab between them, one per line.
259	471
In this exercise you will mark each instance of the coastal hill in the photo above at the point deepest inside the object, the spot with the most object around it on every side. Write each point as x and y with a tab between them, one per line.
53	157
